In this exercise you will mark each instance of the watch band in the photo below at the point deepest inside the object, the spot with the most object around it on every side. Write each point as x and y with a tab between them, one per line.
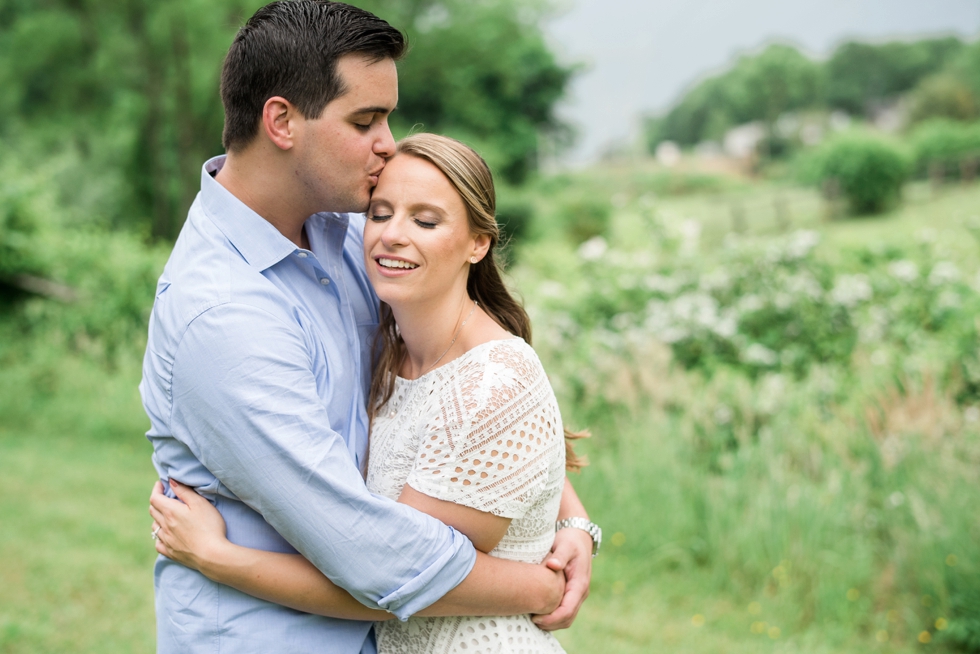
585	525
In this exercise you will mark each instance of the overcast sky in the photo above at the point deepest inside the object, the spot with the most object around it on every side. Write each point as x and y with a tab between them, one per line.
641	54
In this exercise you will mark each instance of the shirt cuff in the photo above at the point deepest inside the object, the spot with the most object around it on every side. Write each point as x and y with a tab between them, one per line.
441	576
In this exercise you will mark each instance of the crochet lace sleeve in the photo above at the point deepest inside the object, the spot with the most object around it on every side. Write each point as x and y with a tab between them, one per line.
501	434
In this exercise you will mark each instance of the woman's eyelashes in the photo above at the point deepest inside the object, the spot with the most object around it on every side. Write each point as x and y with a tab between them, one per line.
424	223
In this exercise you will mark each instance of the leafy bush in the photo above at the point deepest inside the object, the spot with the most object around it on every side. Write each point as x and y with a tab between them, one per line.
869	171
85	286
18	227
947	144
514	216
585	217
964	624
942	96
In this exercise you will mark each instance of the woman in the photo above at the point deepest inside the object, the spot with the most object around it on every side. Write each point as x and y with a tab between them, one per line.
464	423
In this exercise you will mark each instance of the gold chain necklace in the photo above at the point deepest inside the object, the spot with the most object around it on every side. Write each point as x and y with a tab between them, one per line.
452	342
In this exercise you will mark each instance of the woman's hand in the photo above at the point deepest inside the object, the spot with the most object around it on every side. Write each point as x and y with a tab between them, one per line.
189	529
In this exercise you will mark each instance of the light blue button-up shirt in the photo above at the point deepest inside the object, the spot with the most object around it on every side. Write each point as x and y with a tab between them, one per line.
255	378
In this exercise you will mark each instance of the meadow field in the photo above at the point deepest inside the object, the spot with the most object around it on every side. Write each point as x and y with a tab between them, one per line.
785	407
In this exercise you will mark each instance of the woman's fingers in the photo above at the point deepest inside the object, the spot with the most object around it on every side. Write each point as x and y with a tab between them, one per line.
185	494
157	515
157	489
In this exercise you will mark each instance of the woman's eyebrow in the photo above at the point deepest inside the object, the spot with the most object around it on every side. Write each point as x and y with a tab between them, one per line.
431	207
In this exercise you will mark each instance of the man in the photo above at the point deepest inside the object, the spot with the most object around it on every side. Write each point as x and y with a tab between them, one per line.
259	354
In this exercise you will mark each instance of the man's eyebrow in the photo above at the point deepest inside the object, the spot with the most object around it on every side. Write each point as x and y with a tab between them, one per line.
373	110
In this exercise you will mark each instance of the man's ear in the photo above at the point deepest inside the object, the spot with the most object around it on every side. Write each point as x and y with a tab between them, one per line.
278	117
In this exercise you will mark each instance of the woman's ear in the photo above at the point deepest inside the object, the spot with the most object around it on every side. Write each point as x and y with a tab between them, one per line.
278	116
481	243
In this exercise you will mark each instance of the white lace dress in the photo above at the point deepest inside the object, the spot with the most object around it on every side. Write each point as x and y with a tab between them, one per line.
483	431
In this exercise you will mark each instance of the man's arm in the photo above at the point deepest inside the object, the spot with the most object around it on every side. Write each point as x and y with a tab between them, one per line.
192	532
245	402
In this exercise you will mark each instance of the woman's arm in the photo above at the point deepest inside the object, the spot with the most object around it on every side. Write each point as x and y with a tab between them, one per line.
192	532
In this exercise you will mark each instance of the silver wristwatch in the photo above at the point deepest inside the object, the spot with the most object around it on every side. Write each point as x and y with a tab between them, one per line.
589	527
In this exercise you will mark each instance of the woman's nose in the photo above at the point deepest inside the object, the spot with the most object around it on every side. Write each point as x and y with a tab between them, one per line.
393	233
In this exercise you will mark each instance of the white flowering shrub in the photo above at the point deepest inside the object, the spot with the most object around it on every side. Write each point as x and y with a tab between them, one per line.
757	307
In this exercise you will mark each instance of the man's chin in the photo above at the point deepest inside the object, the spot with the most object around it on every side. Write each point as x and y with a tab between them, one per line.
351	205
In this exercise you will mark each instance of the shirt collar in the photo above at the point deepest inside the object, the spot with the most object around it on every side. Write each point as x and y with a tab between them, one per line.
261	244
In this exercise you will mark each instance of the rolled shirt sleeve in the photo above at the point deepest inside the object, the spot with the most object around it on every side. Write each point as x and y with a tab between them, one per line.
246	404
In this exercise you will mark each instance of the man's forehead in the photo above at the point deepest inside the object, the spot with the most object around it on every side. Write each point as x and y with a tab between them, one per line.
371	85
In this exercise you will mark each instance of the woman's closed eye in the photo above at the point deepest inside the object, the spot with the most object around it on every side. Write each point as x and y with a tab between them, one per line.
425	224
380	217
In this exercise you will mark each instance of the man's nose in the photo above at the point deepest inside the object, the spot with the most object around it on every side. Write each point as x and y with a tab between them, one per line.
385	145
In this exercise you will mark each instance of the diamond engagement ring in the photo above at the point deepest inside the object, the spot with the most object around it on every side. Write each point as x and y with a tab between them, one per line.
153	535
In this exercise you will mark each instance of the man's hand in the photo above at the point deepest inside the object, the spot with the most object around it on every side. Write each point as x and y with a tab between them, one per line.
572	552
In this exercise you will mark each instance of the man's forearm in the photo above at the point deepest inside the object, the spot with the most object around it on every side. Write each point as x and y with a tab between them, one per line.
499	587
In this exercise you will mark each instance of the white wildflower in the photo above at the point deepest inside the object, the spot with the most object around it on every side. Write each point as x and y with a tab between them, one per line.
750	303
716	280
770	395
697	308
723	414
804	284
904	270
662	284
621	321
972	414
851	290
944	272
948	300
690	231
726	326
782	301
593	249
801	243
759	355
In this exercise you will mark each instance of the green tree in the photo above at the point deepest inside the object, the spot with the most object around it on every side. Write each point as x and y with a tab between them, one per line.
482	72
862	74
759	87
127	90
131	86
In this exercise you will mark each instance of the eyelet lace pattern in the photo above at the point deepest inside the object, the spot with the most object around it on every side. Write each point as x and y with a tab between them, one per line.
483	431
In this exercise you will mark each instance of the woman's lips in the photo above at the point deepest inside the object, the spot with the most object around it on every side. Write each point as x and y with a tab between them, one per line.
394	267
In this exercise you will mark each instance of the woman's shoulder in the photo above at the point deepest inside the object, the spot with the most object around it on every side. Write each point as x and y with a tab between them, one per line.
496	369
511	353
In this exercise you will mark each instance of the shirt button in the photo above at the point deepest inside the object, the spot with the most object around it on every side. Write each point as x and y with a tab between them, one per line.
301	255
324	281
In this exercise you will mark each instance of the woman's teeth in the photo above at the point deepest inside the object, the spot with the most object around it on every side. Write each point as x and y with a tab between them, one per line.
396	263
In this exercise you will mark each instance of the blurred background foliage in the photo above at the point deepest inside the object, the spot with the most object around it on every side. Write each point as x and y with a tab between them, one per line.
125	93
784	388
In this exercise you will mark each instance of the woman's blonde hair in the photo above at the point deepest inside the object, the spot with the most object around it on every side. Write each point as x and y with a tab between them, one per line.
471	177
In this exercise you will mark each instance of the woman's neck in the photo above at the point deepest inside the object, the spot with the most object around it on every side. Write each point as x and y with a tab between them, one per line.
431	331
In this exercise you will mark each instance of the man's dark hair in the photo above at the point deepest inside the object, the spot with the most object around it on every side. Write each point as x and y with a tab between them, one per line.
290	48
